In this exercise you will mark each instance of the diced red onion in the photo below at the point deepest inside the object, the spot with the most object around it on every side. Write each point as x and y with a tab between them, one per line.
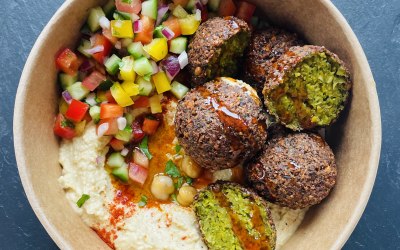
134	17
124	152
155	67
198	15
96	49
171	65
137	26
137	173
121	121
86	66
183	59
160	14
118	45
102	129
168	33
140	158
67	96
104	22
199	5
90	99
100	160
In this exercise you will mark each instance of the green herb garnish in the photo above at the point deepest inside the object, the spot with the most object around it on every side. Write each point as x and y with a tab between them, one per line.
127	1
189	180
173	197
143	201
178	148
145	148
179	183
172	170
82	200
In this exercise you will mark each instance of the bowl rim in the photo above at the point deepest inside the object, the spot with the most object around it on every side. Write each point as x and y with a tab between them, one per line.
371	96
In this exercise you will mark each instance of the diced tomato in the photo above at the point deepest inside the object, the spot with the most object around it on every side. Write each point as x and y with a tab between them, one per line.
76	110
112	126
116	144
109	97
182	3
141	102
226	8
173	24
137	132
150	126
93	80
107	33
63	128
109	110
129	6
68	62
100	40
146	35
245	11
137	173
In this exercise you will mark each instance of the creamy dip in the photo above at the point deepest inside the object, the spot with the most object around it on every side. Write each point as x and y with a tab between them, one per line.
122	223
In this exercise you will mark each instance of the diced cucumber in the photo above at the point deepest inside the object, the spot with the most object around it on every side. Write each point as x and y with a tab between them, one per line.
178	89
112	64
155	103
145	87
125	42
77	91
179	12
124	135
94	112
117	16
105	85
136	49
121	173
158	32
190	5
122	15
129	118
67	80
213	4
109	7
142	66
149	8
93	19
85	44
115	160
178	45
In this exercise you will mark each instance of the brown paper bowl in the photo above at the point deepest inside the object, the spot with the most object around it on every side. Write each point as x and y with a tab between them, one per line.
356	137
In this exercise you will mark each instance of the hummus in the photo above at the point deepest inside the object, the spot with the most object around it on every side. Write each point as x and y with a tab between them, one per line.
125	225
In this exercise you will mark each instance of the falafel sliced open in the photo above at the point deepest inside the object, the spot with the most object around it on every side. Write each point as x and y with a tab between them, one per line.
216	48
232	217
307	86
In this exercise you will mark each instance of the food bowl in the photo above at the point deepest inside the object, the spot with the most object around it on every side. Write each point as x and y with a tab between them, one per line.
355	138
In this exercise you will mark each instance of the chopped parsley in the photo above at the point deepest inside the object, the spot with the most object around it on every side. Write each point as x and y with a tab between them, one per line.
172	170
143	201
127	1
189	180
179	183
178	148
145	148
173	197
82	200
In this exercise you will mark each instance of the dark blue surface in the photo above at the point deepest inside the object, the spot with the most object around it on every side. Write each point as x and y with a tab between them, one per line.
375	22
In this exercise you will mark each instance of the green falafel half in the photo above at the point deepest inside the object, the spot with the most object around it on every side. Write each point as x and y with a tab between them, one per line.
308	86
232	217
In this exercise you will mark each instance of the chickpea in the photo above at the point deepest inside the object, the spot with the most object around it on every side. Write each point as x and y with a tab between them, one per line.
190	168
186	195
162	186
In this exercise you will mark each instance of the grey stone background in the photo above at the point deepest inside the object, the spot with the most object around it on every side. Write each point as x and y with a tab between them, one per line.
375	22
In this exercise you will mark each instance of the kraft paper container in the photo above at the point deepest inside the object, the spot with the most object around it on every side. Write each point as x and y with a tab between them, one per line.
356	137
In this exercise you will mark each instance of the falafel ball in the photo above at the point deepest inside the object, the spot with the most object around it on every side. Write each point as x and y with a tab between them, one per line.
233	217
265	47
221	124
296	171
216	48
307	86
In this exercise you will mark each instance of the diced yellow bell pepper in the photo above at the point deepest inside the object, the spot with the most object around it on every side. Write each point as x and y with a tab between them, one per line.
157	48
130	88
161	82
189	24
101	96
122	28
63	106
120	96
155	104
80	127
126	69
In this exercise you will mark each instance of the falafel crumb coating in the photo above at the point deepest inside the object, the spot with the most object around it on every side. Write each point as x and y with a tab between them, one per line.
307	87
216	48
232	217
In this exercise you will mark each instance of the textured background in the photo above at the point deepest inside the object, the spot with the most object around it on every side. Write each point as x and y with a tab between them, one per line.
375	22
